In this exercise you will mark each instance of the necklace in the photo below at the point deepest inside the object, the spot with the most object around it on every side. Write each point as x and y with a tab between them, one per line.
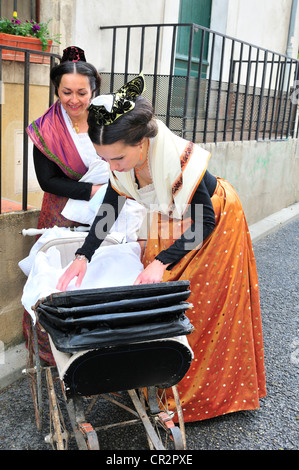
141	168
137	170
75	126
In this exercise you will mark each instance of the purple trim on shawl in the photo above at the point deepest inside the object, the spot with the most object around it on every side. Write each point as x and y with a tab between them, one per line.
50	135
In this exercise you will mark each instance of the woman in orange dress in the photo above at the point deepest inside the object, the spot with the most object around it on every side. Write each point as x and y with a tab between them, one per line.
198	233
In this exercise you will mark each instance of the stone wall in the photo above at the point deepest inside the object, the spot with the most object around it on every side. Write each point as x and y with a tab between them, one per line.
13	248
265	174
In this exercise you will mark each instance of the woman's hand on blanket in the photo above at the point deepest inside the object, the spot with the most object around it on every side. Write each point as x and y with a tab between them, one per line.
152	273
76	269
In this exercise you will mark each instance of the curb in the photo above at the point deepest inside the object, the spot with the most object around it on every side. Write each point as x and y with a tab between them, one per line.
13	360
273	222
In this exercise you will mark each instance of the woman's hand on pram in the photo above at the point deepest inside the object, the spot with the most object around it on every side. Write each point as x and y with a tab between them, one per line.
152	273
76	269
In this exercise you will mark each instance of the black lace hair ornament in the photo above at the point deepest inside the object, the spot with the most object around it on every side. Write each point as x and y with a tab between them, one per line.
123	102
73	54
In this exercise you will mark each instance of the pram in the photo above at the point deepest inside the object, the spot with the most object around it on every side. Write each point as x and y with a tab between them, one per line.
107	342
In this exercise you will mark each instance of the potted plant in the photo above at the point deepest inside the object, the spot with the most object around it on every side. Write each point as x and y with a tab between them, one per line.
26	35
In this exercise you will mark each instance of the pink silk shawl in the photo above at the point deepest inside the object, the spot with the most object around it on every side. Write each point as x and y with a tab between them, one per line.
50	135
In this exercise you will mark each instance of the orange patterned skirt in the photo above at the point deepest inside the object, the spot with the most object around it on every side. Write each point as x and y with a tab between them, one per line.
227	373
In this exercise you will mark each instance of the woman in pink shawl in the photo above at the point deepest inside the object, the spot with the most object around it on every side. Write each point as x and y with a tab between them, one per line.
63	152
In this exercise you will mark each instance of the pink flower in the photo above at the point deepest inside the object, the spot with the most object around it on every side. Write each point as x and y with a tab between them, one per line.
35	28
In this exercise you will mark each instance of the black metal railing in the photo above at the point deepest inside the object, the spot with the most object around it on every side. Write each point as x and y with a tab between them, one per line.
26	76
237	91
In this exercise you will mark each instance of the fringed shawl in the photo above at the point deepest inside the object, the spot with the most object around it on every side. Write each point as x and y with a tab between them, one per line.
177	167
50	135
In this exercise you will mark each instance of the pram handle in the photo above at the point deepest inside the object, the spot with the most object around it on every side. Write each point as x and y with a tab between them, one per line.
32	231
39	231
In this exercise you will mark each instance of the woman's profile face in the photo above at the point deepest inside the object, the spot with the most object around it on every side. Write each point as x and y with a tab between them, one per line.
74	92
120	156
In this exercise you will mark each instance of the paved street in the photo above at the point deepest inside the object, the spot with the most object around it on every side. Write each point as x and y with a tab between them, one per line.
273	427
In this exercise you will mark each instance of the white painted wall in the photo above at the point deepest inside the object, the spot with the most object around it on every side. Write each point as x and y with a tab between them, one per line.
264	23
89	15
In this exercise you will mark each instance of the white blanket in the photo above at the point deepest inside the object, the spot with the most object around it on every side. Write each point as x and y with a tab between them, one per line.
48	235
115	265
85	211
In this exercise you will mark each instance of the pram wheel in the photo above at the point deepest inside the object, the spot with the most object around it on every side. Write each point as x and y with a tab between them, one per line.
174	437
85	435
33	372
111	341
170	435
58	436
